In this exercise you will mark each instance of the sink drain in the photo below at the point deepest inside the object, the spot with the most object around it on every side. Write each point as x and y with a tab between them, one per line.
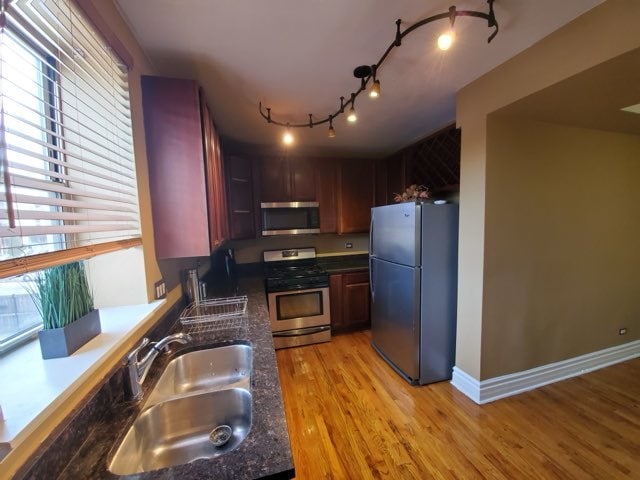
220	435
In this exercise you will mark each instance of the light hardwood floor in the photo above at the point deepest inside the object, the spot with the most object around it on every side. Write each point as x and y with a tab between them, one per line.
350	416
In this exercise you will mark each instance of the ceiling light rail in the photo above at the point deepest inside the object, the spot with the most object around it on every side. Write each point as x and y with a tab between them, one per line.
366	73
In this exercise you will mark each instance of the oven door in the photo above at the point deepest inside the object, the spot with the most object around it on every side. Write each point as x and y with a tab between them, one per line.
299	309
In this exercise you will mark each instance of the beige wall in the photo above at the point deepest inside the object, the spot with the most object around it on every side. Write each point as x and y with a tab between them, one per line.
561	243
568	51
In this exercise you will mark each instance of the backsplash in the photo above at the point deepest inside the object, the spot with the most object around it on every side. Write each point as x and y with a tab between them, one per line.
250	251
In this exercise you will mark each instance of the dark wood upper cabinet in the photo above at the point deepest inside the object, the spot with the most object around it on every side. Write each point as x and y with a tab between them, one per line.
239	174
216	196
185	169
355	195
381	189
326	194
275	185
287	180
303	180
433	162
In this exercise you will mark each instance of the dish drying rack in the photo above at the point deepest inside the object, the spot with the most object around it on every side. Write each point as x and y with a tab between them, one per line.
215	314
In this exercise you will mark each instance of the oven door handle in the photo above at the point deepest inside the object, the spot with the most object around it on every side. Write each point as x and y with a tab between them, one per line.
302	331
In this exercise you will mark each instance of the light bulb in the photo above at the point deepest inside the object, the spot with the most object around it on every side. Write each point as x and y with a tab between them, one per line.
374	92
351	116
331	133
287	138
446	40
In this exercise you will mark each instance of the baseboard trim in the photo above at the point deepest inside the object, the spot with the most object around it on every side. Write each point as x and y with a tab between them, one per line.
486	391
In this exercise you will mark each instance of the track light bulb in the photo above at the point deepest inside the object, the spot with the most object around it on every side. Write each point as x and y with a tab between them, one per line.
287	138
374	92
331	133
351	116
446	40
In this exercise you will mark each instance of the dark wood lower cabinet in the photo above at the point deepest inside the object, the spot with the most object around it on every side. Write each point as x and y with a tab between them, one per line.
350	301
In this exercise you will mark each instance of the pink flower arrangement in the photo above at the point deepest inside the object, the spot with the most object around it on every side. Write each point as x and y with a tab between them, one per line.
412	193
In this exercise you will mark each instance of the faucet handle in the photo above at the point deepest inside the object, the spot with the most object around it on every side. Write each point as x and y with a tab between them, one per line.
132	356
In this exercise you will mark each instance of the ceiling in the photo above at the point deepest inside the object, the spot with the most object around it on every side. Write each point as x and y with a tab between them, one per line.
297	57
592	99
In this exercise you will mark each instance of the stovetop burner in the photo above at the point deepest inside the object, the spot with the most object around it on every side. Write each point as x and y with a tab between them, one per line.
294	269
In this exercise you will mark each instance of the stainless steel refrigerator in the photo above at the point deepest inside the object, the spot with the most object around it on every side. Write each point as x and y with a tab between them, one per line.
413	267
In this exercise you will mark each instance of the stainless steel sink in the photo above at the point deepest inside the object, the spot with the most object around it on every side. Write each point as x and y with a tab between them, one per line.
178	431
204	370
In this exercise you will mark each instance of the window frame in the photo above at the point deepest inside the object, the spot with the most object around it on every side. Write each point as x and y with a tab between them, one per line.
45	69
97	194
50	67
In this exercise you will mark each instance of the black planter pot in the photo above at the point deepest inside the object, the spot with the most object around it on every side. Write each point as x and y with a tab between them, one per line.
62	342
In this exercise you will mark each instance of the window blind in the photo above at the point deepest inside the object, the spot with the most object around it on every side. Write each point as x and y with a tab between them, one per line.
68	180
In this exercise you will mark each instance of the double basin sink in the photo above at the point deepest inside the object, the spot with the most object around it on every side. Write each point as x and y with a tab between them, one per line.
199	408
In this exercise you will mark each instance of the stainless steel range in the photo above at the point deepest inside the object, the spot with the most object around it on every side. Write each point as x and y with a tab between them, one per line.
298	297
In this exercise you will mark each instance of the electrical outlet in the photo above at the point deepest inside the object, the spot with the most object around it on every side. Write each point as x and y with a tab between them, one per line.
622	331
348	245
161	289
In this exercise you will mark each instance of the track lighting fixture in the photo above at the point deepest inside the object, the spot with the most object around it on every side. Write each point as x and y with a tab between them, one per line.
374	91
351	116
446	40
287	138
368	73
331	133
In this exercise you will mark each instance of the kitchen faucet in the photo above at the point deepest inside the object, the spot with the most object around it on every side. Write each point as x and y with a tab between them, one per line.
136	371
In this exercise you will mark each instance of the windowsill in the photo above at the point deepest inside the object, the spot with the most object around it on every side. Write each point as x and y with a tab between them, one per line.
33	388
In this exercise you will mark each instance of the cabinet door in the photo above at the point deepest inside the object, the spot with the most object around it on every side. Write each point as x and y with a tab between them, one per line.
303	182
335	296
326	180
381	194
396	181
173	130
216	198
355	300
240	187
355	195
275	181
350	301
287	180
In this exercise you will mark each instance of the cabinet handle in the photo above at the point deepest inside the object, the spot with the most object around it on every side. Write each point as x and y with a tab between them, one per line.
241	211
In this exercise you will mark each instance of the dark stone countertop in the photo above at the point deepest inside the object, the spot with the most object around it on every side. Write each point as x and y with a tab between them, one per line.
344	263
265	452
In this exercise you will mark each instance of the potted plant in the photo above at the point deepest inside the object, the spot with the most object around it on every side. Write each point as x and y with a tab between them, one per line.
65	302
413	193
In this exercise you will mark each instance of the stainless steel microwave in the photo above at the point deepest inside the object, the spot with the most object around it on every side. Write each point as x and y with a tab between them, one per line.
290	218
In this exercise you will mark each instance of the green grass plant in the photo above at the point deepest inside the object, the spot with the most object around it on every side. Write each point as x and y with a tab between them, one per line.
62	294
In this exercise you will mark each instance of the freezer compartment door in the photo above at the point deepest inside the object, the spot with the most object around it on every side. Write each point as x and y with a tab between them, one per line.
395	313
395	233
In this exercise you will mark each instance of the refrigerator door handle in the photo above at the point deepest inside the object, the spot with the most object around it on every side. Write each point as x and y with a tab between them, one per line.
371	235
371	287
